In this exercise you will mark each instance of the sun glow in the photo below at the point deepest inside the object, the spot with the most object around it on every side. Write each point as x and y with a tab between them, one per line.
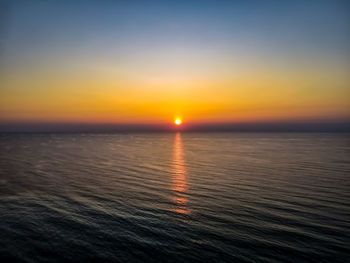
178	121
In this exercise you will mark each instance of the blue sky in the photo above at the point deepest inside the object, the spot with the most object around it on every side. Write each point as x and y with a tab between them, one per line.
233	51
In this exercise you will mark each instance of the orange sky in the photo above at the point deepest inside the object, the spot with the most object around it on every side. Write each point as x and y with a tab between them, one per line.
171	66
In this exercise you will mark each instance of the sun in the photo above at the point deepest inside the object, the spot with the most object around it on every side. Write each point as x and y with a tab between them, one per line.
178	121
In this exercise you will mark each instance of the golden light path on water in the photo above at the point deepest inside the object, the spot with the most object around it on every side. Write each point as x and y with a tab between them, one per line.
179	179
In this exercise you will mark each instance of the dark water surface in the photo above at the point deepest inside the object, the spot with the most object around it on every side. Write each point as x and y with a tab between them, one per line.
175	197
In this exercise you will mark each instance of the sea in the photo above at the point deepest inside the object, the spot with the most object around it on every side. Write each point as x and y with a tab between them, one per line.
175	197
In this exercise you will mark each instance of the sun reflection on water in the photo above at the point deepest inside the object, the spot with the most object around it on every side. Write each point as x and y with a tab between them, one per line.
179	180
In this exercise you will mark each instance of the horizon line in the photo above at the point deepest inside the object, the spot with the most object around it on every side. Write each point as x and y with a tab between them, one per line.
277	126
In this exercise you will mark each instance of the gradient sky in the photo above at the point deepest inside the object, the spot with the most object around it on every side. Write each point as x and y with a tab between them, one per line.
152	61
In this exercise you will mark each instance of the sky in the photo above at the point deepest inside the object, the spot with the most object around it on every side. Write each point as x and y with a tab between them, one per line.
144	62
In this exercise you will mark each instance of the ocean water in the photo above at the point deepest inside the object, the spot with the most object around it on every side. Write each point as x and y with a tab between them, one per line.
175	197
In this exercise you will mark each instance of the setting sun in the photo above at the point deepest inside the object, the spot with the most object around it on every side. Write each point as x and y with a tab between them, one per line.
178	121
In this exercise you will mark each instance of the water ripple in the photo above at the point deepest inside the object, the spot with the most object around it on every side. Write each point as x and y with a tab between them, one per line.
174	197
